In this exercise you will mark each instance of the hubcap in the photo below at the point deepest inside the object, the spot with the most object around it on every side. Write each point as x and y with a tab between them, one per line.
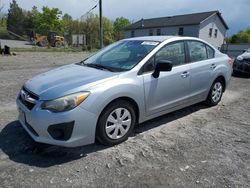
118	123
217	92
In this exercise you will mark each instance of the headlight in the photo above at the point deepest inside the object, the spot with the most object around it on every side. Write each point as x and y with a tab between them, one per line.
65	103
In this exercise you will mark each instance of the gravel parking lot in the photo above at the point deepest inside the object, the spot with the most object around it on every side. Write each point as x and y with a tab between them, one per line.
193	147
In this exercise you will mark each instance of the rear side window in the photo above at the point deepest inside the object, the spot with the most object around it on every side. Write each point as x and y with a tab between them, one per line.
210	52
197	51
174	53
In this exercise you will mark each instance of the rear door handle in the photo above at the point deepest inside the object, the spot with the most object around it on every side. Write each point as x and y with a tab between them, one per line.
185	74
213	66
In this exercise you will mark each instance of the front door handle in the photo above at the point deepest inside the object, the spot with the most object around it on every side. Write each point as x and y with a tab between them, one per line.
213	66
185	74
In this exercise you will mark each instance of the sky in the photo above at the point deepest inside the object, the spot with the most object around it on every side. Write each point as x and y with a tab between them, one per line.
235	12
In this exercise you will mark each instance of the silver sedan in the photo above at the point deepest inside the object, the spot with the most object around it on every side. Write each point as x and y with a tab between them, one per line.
131	81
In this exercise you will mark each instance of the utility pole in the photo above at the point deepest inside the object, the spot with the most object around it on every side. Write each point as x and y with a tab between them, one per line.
101	26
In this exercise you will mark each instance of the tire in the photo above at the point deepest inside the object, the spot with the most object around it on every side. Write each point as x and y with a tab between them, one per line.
215	93
110	131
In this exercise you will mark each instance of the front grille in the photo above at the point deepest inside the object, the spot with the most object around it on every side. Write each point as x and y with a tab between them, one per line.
28	98
34	96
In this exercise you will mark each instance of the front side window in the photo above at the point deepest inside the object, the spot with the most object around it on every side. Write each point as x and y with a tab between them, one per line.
197	51
122	55
175	53
150	65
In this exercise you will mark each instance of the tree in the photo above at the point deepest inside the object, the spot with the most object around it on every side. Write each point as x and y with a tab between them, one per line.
108	31
241	37
119	25
49	20
30	17
90	27
15	18
67	21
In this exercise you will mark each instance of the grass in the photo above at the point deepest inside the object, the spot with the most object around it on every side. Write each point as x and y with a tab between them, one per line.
4	33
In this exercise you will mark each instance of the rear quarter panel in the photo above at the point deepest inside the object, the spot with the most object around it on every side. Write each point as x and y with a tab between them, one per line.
223	68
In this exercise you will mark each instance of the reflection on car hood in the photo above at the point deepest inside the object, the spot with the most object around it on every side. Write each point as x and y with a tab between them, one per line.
245	55
66	80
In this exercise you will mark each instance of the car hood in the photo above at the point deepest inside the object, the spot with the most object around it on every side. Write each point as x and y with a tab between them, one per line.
66	80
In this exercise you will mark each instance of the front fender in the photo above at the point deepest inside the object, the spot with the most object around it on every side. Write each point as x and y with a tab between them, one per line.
107	92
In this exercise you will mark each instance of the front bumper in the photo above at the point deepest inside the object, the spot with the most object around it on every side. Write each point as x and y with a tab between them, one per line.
38	123
242	66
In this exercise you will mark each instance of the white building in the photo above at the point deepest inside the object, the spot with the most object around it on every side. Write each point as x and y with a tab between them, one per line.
209	26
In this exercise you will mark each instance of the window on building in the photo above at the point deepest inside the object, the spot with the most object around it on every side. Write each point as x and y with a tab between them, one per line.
151	32
181	30
132	33
158	32
197	51
210	32
215	33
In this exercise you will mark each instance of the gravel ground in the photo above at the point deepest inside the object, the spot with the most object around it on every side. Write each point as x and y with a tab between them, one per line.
193	147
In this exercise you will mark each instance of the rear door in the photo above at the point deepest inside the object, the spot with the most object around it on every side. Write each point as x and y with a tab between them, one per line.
172	88
202	65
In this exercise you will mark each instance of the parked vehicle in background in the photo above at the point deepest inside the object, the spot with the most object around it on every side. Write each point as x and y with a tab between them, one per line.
52	39
129	82
242	63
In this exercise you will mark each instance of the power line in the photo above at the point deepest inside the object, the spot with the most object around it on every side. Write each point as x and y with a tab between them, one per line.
89	11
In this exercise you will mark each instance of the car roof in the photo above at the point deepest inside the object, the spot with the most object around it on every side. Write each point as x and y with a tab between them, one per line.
161	38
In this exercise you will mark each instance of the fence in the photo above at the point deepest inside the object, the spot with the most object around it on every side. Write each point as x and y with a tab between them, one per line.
234	50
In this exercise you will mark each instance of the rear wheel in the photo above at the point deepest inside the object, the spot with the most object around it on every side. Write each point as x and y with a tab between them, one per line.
115	123
215	94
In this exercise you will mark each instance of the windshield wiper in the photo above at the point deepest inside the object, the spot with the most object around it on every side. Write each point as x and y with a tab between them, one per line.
99	66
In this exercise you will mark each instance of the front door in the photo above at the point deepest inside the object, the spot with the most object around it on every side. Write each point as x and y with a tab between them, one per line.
172	88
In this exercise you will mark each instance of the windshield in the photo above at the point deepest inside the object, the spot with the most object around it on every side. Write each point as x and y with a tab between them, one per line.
122	55
248	50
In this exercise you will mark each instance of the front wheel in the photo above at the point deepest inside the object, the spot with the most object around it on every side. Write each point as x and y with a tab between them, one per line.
215	94
116	123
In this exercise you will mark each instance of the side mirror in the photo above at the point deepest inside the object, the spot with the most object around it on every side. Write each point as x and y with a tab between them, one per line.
162	66
244	50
